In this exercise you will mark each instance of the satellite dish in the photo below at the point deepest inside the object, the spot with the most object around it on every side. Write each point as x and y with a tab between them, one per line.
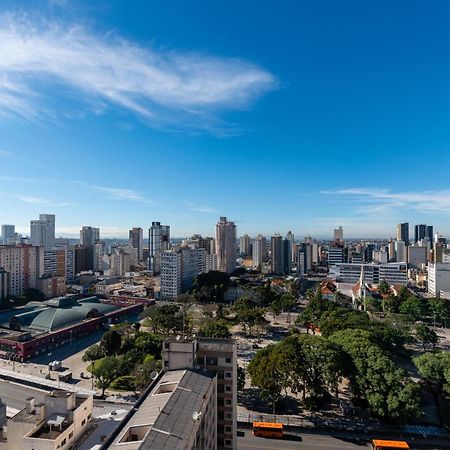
153	375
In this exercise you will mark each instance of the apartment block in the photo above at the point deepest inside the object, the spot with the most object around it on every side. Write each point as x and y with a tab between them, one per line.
217	356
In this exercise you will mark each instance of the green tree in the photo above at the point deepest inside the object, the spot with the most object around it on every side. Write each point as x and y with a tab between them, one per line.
111	342
439	309
217	329
413	307
164	319
94	352
426	335
391	395
384	288
105	370
240	378
267	372
434	367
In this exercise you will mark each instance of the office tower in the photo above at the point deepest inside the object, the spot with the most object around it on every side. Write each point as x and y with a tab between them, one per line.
136	240
400	251
217	356
304	259
391	250
339	236
420	231
8	234
24	265
403	232
335	255
42	231
392	273
430	232
226	245
277	253
244	245
259	250
159	241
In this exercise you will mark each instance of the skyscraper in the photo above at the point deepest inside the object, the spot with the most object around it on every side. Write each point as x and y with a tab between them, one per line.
8	234
136	240
42	231
226	245
159	241
420	231
403	232
430	234
291	239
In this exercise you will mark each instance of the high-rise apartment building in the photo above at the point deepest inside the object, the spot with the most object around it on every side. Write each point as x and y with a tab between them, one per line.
24	265
179	267
159	242
136	240
291	239
281	255
430	233
259	253
403	232
226	245
217	356
400	251
8	234
245	245
42	231
339	236
89	236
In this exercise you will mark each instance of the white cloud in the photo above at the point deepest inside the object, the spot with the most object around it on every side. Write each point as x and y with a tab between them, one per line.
123	194
385	201
199	208
163	87
13	156
33	200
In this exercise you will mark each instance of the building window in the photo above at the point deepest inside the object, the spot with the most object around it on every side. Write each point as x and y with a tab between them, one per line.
228	442
227	374
228	402
211	361
83	422
227	429
228	360
228	388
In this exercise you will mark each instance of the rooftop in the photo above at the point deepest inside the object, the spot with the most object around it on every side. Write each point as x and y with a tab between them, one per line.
165	420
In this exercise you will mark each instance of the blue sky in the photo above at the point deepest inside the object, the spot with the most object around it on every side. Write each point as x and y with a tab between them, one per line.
283	115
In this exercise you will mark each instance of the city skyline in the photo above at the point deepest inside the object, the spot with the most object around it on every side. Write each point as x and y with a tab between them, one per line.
195	126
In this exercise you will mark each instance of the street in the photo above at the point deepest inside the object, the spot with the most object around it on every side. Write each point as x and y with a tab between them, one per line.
296	441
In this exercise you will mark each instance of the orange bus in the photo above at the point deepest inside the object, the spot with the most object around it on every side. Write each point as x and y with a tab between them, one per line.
378	444
268	429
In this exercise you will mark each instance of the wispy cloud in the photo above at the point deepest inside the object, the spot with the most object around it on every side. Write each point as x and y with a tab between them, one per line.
40	201
199	208
123	194
385	200
33	200
5	154
17	179
161	86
